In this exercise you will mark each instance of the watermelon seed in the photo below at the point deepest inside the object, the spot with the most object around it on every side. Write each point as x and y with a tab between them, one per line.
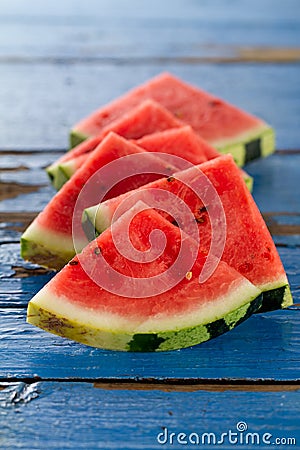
203	209
189	275
178	114
170	179
97	251
215	102
200	219
73	263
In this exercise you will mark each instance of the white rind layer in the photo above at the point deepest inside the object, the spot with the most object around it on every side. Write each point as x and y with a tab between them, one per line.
242	292
246	136
52	249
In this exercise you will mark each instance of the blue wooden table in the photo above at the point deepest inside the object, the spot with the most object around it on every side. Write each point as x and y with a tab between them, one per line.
58	62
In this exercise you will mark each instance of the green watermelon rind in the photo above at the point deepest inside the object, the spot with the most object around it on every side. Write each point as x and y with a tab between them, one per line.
248	180
44	247
140	342
244	148
96	219
261	143
76	137
279	297
59	174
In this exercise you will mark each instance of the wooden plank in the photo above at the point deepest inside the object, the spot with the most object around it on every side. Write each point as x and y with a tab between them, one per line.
48	414
276	186
78	89
22	160
263	348
169	29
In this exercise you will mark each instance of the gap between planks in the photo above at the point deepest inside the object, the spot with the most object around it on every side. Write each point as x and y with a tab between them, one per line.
12	190
194	387
170	385
223	55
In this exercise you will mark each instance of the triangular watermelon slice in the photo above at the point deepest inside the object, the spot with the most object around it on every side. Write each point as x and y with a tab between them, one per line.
249	246
223	125
48	240
147	117
86	303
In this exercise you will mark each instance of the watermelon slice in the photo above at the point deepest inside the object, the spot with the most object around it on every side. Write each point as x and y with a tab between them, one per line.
76	305
48	240
224	126
146	118
249	247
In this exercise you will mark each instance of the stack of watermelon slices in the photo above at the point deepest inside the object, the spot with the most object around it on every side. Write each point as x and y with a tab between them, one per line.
135	136
148	119
167	102
221	124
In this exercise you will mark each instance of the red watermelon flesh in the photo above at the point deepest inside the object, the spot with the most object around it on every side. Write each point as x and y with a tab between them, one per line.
182	142
146	118
216	121
48	240
249	247
76	304
185	143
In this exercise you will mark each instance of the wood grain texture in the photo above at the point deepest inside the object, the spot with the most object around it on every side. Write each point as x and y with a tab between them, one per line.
197	385
15	271
276	185
160	29
75	415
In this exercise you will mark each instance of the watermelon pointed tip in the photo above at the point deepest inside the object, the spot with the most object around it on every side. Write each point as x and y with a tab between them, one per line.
88	223
76	137
57	176
96	219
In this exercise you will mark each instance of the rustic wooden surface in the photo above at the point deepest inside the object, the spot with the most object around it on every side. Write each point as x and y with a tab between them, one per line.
59	61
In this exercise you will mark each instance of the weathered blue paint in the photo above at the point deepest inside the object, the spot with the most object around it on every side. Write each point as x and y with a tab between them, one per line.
76	415
264	347
250	86
61	60
276	185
